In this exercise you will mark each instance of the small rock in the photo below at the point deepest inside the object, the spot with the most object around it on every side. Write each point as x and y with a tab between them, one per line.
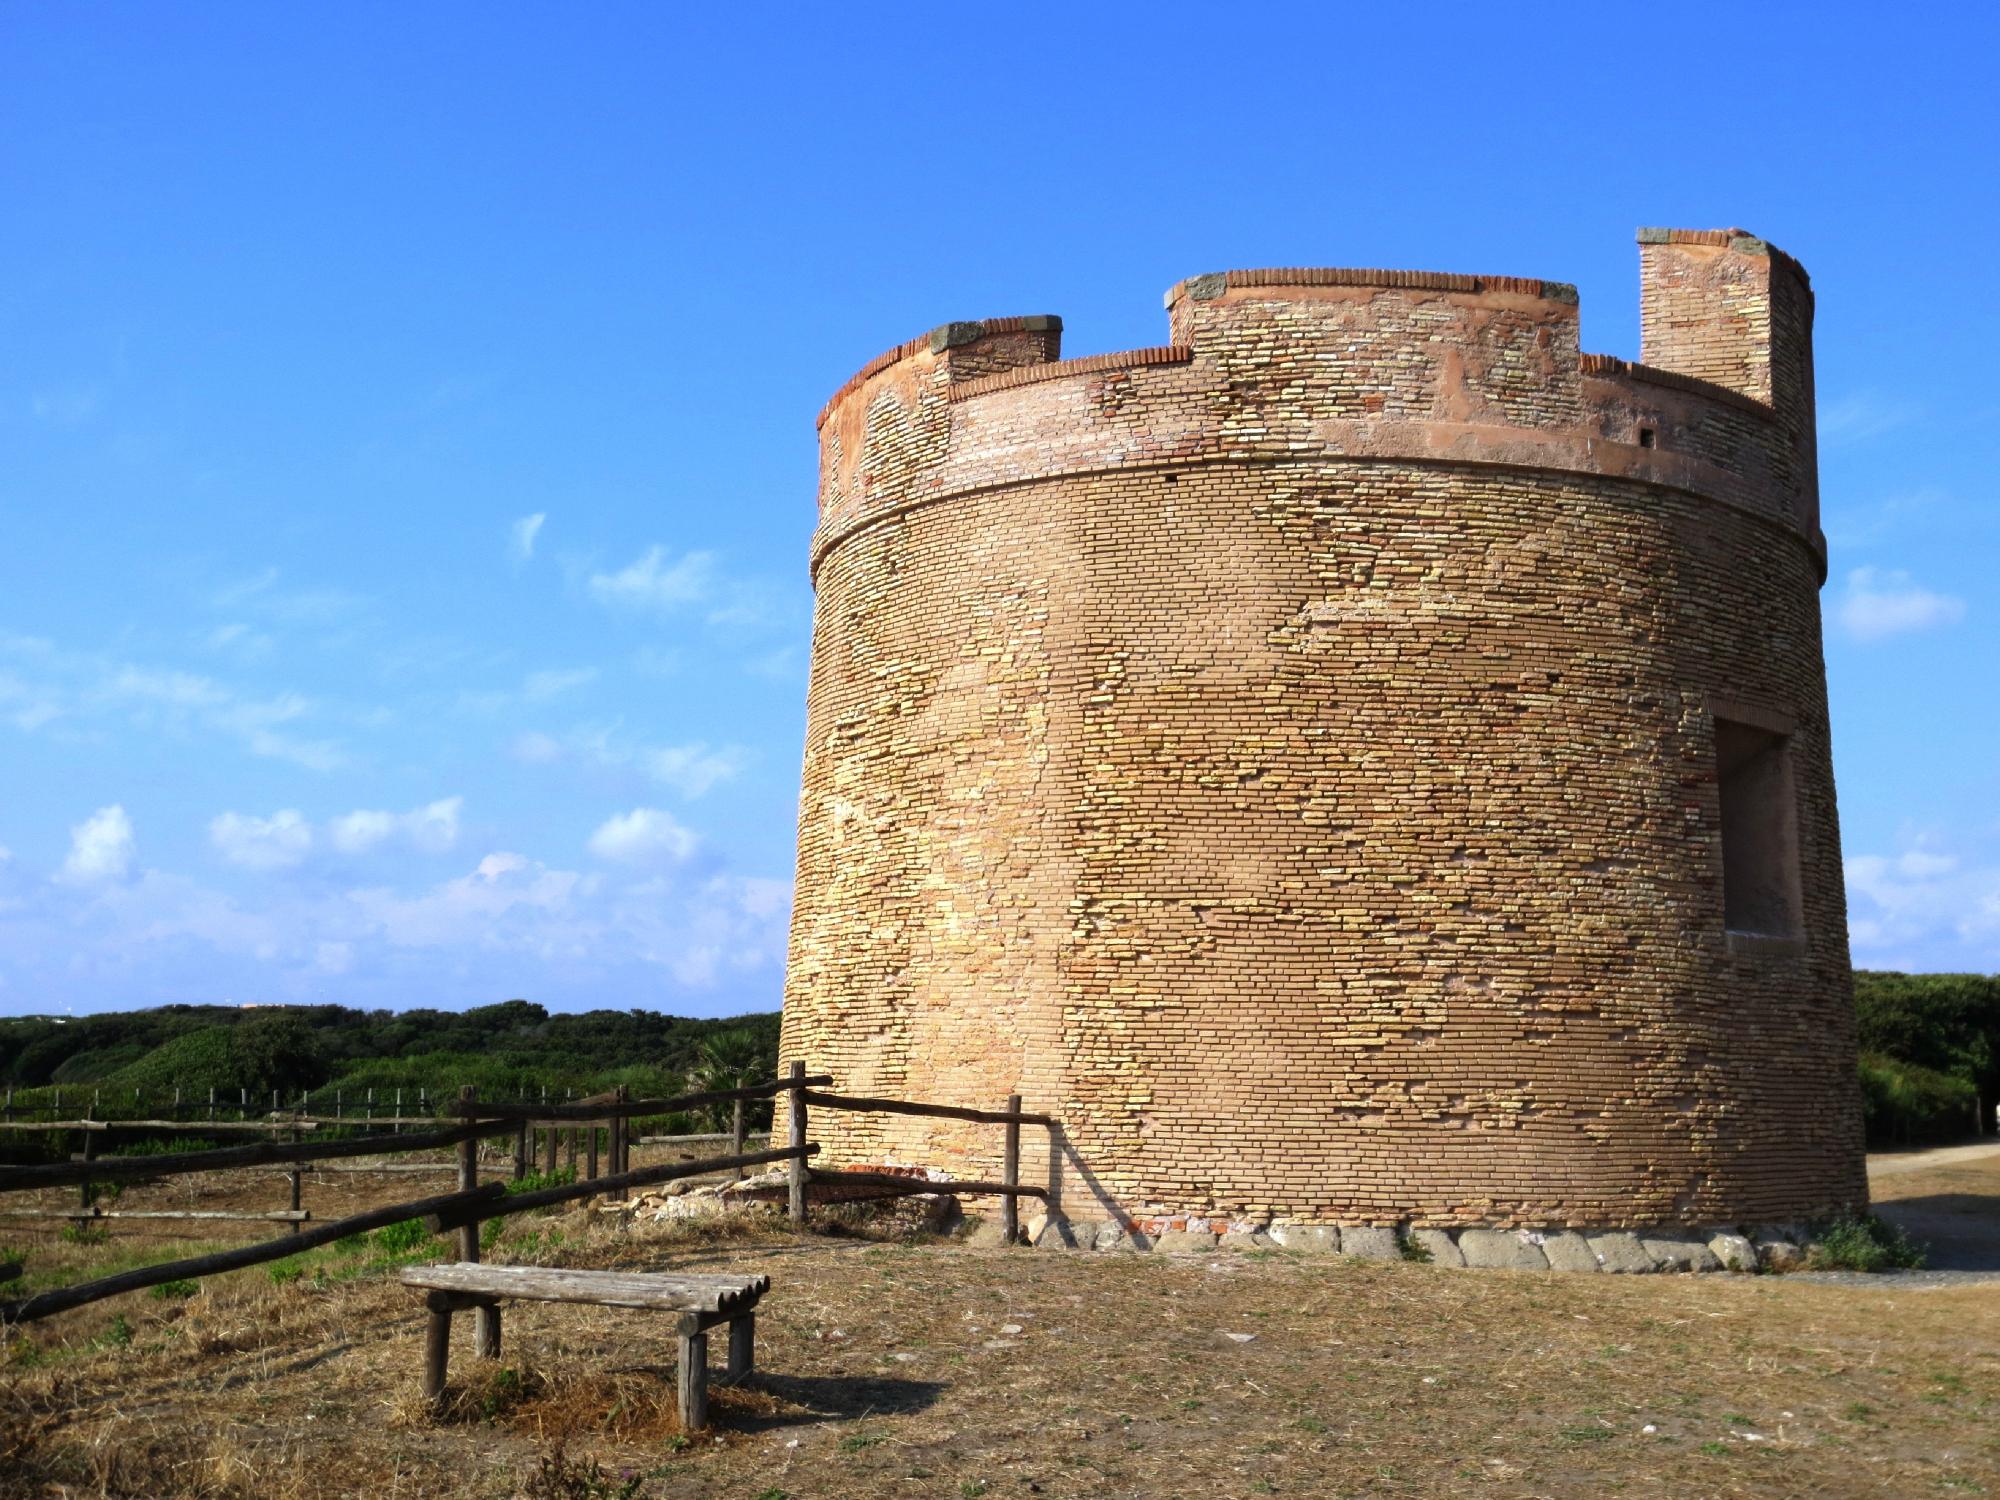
1780	1255
986	1235
1672	1253
1439	1245
1314	1239
1010	1327
1501	1249
1036	1223
1568	1251
1620	1253
1241	1338
1370	1242
1239	1239
1056	1234
1734	1252
1184	1241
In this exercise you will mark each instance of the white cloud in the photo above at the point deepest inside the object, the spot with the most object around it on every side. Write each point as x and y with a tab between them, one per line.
430	829
521	535
644	836
537	749
652	583
691	769
1923	908
1880	603
274	843
100	847
539	687
466	911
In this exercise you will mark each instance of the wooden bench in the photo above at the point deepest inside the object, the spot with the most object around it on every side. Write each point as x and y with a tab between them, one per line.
701	1301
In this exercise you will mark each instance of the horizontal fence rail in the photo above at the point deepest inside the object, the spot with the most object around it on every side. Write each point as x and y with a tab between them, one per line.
131	1168
61	1299
474	1203
935	1111
625	1108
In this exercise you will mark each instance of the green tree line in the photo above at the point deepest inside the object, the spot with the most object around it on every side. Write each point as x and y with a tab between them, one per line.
506	1051
1929	1044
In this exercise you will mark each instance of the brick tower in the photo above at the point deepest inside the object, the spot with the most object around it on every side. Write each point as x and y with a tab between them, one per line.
1363	761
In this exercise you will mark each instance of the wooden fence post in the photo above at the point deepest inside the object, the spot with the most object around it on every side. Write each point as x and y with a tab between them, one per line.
590	1154
296	1184
552	1131
797	1140
571	1153
621	1141
736	1136
520	1150
1010	1175
86	1195
485	1318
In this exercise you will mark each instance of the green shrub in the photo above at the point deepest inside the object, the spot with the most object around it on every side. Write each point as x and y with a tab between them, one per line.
168	1290
1862	1242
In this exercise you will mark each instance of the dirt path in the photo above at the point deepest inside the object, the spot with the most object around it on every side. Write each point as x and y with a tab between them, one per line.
1948	1199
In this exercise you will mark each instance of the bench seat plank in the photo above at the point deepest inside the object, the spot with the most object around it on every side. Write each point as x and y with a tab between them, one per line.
665	1292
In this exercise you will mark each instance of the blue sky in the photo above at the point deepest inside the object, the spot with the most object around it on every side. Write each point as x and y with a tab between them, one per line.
406	419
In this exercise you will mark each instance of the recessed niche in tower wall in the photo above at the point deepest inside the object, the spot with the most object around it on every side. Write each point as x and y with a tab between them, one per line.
1760	831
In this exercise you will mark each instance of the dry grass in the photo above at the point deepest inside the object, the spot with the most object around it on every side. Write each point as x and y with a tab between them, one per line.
888	1369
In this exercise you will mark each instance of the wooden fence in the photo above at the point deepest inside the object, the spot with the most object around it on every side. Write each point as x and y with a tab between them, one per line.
474	1202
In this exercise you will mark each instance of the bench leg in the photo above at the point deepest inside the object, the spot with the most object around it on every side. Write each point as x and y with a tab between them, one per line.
742	1348
694	1381
437	1350
486	1330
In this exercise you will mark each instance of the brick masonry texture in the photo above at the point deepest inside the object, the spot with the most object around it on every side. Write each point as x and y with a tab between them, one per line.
1287	756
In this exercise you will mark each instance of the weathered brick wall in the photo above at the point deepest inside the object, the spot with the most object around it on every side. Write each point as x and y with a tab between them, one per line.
1287	757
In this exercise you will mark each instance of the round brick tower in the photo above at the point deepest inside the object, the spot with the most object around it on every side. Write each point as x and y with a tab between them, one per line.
1363	761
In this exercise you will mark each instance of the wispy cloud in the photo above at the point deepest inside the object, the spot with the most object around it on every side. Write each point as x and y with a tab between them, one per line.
1880	603
691	769
65	406
1863	415
275	843
101	847
654	583
522	534
643	836
1924	907
45	685
539	687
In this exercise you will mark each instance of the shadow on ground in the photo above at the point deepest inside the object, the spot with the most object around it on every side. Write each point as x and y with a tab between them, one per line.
1961	1230
828	1398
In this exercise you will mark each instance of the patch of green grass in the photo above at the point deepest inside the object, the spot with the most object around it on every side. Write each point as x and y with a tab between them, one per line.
170	1290
854	1442
1714	1450
84	1234
1586	1434
1863	1242
117	1334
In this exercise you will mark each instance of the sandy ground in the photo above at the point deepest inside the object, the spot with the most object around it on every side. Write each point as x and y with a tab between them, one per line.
923	1368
